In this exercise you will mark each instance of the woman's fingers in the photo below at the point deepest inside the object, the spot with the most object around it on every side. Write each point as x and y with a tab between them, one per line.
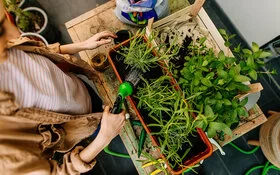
105	34
99	43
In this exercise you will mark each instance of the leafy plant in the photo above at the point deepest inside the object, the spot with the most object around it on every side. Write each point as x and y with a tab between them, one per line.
170	115
211	83
141	55
28	21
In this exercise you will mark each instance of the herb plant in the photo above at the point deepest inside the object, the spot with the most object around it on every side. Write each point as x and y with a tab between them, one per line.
170	115
140	54
213	81
27	21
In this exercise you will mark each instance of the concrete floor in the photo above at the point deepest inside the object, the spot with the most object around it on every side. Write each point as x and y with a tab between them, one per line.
62	11
234	163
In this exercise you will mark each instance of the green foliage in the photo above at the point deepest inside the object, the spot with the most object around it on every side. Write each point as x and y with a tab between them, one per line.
142	55
170	114
213	82
28	21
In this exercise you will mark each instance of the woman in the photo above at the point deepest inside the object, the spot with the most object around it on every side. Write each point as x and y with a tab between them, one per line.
44	109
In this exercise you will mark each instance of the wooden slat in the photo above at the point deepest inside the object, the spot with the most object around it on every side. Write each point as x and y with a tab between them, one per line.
93	12
207	22
103	18
255	119
82	28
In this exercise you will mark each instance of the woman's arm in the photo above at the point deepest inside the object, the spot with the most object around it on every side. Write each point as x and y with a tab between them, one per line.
91	43
111	125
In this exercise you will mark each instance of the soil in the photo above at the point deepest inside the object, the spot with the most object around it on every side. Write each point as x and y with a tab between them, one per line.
183	52
199	146
36	22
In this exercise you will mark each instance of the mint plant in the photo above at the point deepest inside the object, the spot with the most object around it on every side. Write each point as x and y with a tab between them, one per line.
212	82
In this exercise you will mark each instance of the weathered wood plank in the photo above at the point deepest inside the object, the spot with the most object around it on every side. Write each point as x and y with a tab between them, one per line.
255	119
93	12
207	22
103	18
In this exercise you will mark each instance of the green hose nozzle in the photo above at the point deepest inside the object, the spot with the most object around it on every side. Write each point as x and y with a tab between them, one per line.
125	89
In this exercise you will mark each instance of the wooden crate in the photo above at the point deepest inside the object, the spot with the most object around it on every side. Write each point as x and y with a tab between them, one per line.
202	26
103	18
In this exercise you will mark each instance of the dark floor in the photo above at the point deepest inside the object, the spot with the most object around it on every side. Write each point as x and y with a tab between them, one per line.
234	163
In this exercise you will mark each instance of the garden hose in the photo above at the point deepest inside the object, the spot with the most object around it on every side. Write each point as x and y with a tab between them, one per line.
243	151
125	90
106	150
265	167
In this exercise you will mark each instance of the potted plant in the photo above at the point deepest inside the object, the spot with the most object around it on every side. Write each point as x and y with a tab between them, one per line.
211	82
159	104
32	19
35	36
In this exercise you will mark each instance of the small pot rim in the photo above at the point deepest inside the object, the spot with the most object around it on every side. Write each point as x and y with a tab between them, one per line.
21	3
37	35
38	10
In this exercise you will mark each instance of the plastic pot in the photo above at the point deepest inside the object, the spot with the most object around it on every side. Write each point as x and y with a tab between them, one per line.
43	28
29	3
47	30
35	36
202	150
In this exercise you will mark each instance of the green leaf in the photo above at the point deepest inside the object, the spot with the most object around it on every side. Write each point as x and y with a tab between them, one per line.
247	51
208	112
215	64
234	104
265	54
206	82
253	74
250	61
231	36
221	56
211	101
210	75
200	124
222	73
221	82
241	78
230	60
226	102
205	63
255	47
242	87
232	86
202	40
222	32
242	112
217	126
227	44
196	81
243	102
218	96
237	49
219	105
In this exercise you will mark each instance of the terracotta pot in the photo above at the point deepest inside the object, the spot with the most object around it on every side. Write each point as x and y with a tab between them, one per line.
207	147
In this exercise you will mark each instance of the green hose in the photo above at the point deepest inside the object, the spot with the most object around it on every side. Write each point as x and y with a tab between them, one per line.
106	149
243	151
265	167
253	169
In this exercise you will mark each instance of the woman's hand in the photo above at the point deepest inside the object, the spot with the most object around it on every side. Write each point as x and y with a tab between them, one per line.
111	124
98	39
91	43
